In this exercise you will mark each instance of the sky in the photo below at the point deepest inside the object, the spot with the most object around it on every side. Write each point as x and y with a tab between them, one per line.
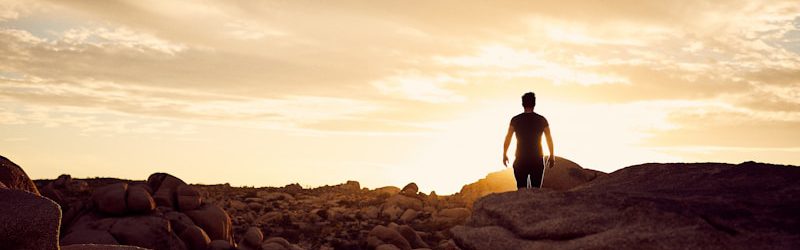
267	93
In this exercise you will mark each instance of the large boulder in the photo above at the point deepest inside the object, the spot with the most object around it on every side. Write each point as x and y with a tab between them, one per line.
214	220
110	199
410	189
252	238
404	202
188	197
89	236
564	175
29	221
195	238
13	177
650	206
146	231
164	188
450	217
387	191
139	200
380	235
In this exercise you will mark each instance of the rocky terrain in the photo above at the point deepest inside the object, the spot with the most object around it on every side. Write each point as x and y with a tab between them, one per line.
651	206
662	206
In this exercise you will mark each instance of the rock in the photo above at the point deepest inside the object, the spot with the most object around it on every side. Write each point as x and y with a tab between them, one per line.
370	212
238	205
351	186
387	247
380	235
62	180
408	215
214	220
450	217
392	212
110	199
410	189
271	196
92	221
252	238
164	186
411	236
564	175
13	177
146	231
188	198
139	200
89	236
293	188
29	221
276	243
432	199
178	221
388	190
195	238
404	202
255	206
650	206
52	193
100	247
269	218
448	245
220	245
76	186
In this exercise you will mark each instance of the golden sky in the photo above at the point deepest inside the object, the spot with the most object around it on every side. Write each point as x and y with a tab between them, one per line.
388	92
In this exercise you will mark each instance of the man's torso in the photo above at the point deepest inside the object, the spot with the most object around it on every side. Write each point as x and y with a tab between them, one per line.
528	128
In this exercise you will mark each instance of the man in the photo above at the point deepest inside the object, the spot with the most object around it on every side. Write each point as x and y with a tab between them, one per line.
529	127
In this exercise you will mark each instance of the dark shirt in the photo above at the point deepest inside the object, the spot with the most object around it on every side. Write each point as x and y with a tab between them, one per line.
528	128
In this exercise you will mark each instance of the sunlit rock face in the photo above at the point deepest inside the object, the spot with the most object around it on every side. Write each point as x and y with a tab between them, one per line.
650	206
564	175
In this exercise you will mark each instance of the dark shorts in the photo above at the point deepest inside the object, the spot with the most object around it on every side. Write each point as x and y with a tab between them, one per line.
529	167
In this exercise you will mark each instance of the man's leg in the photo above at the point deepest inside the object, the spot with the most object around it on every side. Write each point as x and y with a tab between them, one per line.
520	175
537	173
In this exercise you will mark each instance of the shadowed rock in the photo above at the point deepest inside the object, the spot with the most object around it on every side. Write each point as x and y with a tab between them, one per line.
29	221
164	187
111	199
214	221
13	177
650	206
146	231
100	247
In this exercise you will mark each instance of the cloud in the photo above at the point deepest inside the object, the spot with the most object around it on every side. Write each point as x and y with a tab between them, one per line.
259	63
432	89
118	37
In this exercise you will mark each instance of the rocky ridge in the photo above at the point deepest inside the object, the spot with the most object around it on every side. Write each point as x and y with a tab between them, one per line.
651	206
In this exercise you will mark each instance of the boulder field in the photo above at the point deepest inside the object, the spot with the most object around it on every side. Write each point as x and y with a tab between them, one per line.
649	206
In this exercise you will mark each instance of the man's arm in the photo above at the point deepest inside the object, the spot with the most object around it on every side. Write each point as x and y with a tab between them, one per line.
506	144
550	145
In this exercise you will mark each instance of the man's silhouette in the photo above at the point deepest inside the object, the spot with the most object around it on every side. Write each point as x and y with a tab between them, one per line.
529	127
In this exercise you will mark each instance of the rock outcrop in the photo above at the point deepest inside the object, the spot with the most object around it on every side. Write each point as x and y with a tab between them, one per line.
29	221
564	175
13	177
174	217
650	206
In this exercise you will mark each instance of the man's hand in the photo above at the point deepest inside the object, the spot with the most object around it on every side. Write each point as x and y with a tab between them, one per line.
505	160
551	161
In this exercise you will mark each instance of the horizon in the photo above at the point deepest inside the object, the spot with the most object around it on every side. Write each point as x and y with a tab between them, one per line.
318	93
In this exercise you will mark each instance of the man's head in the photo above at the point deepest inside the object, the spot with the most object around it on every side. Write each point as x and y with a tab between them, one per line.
529	100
